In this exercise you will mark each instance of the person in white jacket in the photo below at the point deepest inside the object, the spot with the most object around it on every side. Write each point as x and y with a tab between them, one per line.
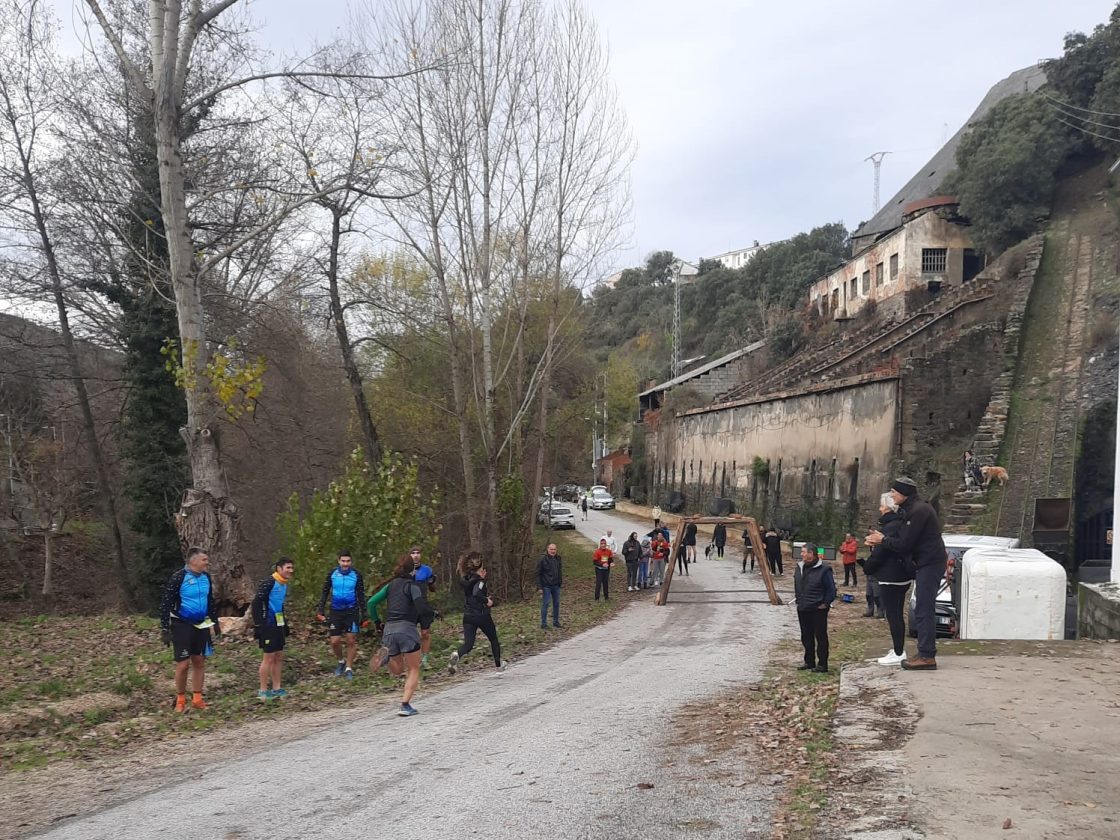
609	537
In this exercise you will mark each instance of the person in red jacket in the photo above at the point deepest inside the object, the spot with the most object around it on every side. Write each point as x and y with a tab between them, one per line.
603	558
848	550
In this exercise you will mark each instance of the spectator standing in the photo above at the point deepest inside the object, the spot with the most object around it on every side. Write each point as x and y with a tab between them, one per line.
895	574
748	552
814	589
689	543
659	551
719	539
603	558
631	553
550	577
919	539
611	544
644	559
848	550
772	540
583	507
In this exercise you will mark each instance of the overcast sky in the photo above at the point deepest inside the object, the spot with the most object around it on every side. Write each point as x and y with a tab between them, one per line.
753	117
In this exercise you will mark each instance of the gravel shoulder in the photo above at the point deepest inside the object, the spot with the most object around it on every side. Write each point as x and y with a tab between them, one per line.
568	741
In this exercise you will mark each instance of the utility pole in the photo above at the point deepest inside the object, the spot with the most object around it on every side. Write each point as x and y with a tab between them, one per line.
877	160
678	266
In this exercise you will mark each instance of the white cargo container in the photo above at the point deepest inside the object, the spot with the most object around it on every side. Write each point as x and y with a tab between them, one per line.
1012	593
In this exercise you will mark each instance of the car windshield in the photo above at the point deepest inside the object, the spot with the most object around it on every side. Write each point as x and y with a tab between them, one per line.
559	511
601	494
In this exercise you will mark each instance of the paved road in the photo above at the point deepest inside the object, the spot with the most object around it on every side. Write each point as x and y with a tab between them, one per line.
554	747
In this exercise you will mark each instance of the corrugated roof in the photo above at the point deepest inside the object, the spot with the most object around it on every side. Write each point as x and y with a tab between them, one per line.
692	374
928	179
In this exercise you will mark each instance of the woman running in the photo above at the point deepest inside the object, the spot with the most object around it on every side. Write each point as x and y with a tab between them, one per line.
476	611
405	607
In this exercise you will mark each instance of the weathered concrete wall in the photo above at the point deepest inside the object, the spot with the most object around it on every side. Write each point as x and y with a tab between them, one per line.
1098	611
834	443
945	393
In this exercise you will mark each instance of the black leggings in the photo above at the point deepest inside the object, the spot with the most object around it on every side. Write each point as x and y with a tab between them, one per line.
602	582
631	573
719	551
850	569
682	559
470	631
775	561
893	599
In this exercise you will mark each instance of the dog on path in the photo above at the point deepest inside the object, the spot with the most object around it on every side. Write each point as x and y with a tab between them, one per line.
994	472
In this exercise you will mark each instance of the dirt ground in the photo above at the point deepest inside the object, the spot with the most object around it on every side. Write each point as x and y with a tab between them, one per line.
1009	739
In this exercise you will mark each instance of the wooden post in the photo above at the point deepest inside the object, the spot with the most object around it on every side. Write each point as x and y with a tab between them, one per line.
671	566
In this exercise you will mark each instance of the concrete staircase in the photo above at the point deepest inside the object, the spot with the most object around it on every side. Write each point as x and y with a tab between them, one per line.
969	504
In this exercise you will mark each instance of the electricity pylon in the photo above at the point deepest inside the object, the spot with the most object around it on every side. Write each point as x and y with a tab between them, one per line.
877	160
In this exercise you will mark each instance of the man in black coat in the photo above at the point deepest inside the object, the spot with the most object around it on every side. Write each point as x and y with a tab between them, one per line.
550	577
919	538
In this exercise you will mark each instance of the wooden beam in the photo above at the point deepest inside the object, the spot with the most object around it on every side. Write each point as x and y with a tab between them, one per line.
756	545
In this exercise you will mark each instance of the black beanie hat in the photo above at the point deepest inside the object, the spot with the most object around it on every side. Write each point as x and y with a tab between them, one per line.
905	486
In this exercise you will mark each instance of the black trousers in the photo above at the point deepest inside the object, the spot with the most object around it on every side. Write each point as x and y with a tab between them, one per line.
682	559
470	631
893	599
814	628
602	583
719	551
850	571
748	553
631	573
775	561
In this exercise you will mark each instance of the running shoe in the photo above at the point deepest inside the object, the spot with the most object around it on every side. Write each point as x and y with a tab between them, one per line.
424	662
406	710
349	674
503	666
198	703
181	703
264	696
340	670
382	658
891	658
453	663
277	693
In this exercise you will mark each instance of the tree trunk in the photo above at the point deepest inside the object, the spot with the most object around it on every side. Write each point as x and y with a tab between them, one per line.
48	564
370	441
106	497
207	517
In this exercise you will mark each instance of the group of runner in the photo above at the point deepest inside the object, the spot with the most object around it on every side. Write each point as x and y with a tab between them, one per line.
188	617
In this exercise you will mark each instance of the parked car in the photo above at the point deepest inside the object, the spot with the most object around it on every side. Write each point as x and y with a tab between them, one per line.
948	605
556	516
600	500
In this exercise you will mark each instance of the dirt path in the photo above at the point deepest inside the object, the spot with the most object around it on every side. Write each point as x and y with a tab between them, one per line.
562	743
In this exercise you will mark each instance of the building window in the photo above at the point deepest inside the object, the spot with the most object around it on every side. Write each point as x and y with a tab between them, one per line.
852	289
933	260
894	267
878	275
835	299
866	282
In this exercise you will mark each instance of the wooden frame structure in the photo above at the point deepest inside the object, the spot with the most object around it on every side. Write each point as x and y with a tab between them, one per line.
756	545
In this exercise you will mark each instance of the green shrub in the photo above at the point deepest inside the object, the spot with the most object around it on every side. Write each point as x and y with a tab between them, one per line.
375	514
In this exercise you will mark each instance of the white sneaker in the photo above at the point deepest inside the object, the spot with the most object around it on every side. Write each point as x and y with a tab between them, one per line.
891	658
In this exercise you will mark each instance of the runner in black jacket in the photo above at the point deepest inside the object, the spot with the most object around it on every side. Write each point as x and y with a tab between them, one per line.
476	611
405	607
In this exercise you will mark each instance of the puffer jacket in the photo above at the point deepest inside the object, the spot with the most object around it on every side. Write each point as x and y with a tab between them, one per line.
885	565
920	535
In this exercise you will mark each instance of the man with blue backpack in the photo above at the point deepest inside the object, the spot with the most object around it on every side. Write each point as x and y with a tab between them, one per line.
346	590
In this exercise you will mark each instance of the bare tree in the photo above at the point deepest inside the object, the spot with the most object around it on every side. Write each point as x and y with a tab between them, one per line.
28	104
179	87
